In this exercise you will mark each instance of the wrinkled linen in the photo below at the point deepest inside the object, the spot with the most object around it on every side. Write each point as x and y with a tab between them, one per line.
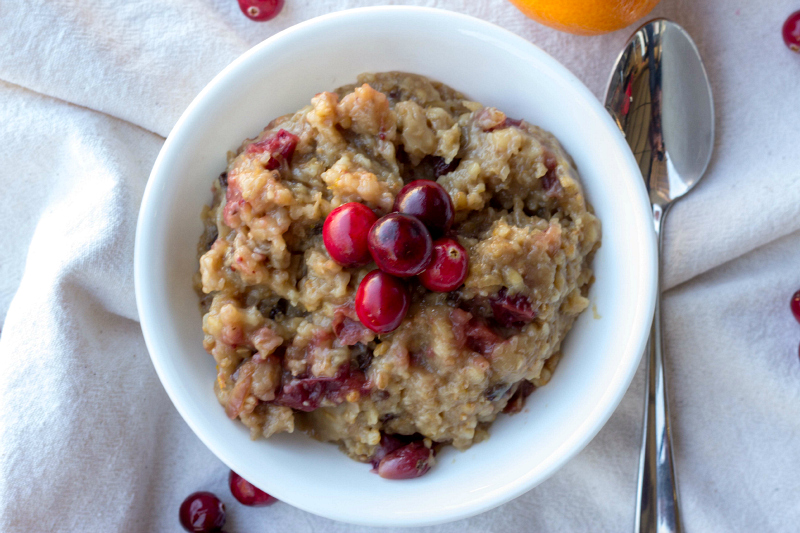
89	440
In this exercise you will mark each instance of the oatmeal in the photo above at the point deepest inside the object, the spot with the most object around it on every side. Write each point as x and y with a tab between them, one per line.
294	346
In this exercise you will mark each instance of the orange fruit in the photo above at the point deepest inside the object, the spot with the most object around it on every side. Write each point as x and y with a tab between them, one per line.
586	17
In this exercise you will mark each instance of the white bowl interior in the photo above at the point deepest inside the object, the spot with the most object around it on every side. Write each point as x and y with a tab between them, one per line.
491	66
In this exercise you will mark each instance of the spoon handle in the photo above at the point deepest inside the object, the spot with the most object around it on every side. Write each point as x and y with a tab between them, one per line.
657	509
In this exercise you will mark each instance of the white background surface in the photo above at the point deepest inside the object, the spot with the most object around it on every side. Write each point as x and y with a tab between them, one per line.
89	440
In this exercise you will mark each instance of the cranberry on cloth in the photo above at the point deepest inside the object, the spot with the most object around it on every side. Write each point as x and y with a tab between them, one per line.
89	441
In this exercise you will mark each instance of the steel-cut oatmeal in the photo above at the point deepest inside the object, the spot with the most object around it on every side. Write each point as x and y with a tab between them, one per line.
280	314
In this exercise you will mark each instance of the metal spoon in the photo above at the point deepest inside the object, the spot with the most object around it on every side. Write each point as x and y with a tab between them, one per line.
661	99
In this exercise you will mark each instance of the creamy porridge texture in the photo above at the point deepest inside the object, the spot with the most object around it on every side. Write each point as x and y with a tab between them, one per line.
279	312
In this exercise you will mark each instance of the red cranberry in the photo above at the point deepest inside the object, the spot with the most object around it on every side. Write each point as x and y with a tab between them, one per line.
429	202
791	32
202	512
512	311
410	461
795	305
345	234
280	145
247	493
381	301
449	267
261	10
400	245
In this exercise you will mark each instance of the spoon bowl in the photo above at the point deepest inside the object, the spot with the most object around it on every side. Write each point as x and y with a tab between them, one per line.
661	99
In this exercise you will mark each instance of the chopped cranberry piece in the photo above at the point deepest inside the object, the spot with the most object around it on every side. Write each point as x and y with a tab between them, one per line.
473	332
347	380
233	204
507	123
795	305
517	401
551	184
400	245
381	301
512	311
429	202
261	10
350	331
410	461
791	32
511	122
442	167
304	394
345	234
307	394
388	444
202	512
460	319
279	145
247	493
481	338
347	328
244	383
449	267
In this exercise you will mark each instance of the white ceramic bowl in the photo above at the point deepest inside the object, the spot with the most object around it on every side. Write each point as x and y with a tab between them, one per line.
492	66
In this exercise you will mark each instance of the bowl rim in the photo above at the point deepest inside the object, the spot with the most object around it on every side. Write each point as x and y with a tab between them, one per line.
648	265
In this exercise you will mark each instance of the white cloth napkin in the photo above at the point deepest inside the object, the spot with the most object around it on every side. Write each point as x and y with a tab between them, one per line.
90	442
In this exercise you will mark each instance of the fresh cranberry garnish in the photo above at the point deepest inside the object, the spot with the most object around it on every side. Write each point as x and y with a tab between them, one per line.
512	311
345	234
400	245
791	32
280	146
381	301
261	10
449	266
410	461
202	512
247	493
429	202
795	305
